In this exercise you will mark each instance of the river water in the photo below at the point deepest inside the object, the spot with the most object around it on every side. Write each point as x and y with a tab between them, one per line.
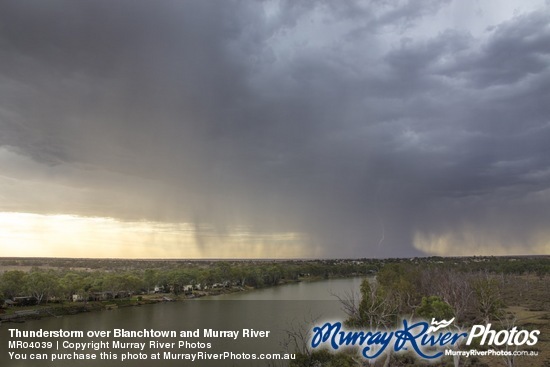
277	310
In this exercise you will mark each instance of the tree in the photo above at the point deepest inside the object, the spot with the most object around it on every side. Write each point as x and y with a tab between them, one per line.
42	284
377	309
178	279
488	296
508	323
150	278
72	283
401	282
435	307
452	286
12	283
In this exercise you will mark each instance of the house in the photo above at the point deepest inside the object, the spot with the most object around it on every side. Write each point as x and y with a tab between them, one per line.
102	296
78	298
25	301
9	303
122	294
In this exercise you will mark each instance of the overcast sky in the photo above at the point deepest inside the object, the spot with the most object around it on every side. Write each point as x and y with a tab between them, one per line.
274	128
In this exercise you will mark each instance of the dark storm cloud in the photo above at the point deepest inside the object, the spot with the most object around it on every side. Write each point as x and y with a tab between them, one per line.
516	50
327	119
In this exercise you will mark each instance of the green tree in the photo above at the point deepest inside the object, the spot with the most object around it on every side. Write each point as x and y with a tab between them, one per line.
377	308
150	279
435	307
401	282
178	279
12	283
72	283
42	284
488	296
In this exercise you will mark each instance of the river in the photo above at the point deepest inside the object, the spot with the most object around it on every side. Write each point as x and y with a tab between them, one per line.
277	310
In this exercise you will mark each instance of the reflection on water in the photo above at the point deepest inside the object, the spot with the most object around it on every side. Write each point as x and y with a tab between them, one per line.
303	291
276	309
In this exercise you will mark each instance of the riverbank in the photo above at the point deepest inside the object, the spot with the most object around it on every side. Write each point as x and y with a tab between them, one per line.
22	314
16	314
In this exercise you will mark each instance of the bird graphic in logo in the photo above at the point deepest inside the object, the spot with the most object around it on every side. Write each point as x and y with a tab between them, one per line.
439	325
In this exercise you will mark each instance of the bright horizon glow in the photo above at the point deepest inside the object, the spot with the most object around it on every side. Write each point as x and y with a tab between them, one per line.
469	241
61	235
71	236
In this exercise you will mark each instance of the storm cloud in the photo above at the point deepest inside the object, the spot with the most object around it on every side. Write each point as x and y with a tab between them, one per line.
350	129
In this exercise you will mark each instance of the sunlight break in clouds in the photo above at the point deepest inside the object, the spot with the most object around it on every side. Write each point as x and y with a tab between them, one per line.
25	234
469	241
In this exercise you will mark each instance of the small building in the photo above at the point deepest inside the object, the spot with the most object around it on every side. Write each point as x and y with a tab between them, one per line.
102	296
25	301
9	303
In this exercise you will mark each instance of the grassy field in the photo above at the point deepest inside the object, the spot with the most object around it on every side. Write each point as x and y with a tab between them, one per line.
528	300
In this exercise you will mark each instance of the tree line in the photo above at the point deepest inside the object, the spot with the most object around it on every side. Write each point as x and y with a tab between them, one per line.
47	285
60	279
